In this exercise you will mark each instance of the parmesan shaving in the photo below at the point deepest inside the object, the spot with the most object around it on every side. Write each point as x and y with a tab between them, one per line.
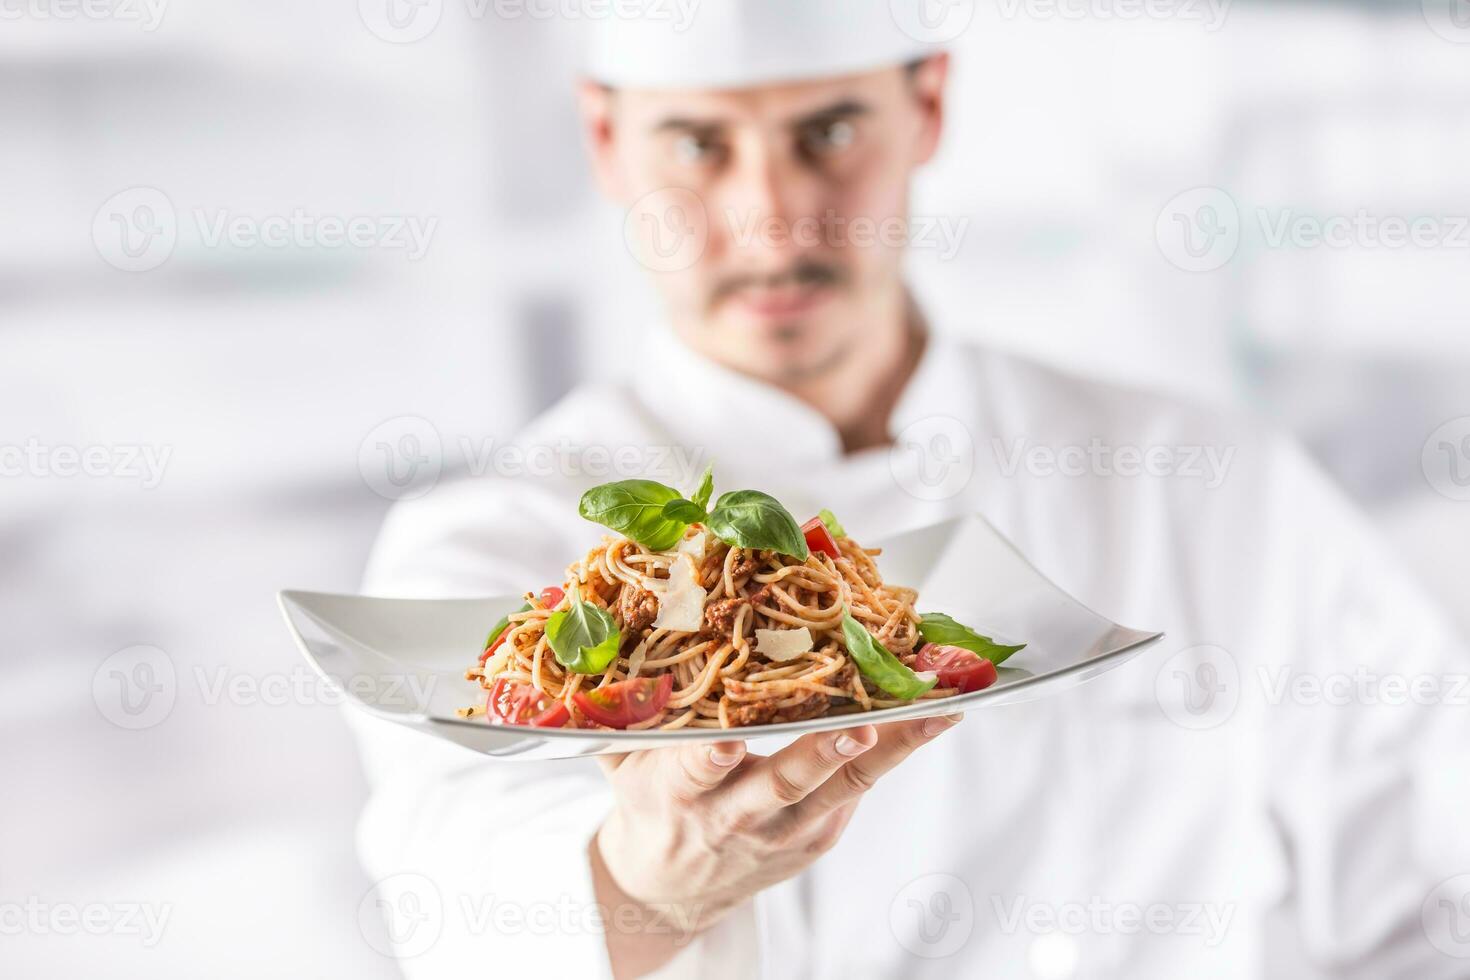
783	645
680	597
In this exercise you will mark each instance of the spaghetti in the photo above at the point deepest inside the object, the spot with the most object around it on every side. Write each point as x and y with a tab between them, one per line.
724	674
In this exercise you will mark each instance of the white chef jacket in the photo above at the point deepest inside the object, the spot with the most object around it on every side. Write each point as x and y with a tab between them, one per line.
1107	831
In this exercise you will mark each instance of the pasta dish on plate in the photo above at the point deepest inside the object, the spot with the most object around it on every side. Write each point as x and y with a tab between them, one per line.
719	617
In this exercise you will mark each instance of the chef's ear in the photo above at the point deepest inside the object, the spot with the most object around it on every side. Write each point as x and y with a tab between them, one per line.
927	78
595	102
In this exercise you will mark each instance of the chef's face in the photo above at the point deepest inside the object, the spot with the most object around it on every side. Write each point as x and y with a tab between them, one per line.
774	218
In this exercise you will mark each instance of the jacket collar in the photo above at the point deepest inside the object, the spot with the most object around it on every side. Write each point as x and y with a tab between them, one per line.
706	405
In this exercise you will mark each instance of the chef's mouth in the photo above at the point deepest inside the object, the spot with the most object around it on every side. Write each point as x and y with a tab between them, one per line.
782	296
782	304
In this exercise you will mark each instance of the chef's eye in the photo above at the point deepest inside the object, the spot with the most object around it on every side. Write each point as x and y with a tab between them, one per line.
693	149
827	136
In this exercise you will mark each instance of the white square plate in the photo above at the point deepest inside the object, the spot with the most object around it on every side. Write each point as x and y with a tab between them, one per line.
404	659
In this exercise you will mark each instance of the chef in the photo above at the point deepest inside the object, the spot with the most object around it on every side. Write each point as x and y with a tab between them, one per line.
1250	798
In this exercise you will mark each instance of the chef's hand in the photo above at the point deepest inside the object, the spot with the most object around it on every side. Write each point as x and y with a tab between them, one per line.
696	831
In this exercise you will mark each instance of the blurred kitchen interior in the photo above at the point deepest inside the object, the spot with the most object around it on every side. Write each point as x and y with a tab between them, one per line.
265	369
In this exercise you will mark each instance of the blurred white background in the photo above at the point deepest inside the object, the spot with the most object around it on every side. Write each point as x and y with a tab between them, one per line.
259	371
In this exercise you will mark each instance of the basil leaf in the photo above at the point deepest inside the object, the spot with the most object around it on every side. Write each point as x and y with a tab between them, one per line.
941	629
634	508
751	519
686	511
595	660
500	626
880	666
706	487
584	638
830	519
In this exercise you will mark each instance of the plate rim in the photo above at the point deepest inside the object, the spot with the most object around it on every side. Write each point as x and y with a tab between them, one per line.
1136	641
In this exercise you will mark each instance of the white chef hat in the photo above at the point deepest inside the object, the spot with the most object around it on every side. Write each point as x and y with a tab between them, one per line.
739	43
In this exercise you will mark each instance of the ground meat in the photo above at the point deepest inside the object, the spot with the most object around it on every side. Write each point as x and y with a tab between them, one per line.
844	678
903	641
713	566
771	711
638	607
719	616
746	562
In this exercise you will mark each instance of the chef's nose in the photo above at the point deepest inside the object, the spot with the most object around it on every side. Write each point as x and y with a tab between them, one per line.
765	205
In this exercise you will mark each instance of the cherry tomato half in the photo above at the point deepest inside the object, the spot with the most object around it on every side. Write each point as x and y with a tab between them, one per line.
818	538
956	667
551	596
626	702
514	703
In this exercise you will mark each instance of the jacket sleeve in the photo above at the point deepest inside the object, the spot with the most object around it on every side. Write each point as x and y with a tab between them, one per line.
1367	750
480	865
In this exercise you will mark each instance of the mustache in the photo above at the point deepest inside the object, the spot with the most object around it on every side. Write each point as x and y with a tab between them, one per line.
807	272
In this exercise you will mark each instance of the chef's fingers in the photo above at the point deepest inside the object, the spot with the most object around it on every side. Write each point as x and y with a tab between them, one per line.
692	770
794	773
896	741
